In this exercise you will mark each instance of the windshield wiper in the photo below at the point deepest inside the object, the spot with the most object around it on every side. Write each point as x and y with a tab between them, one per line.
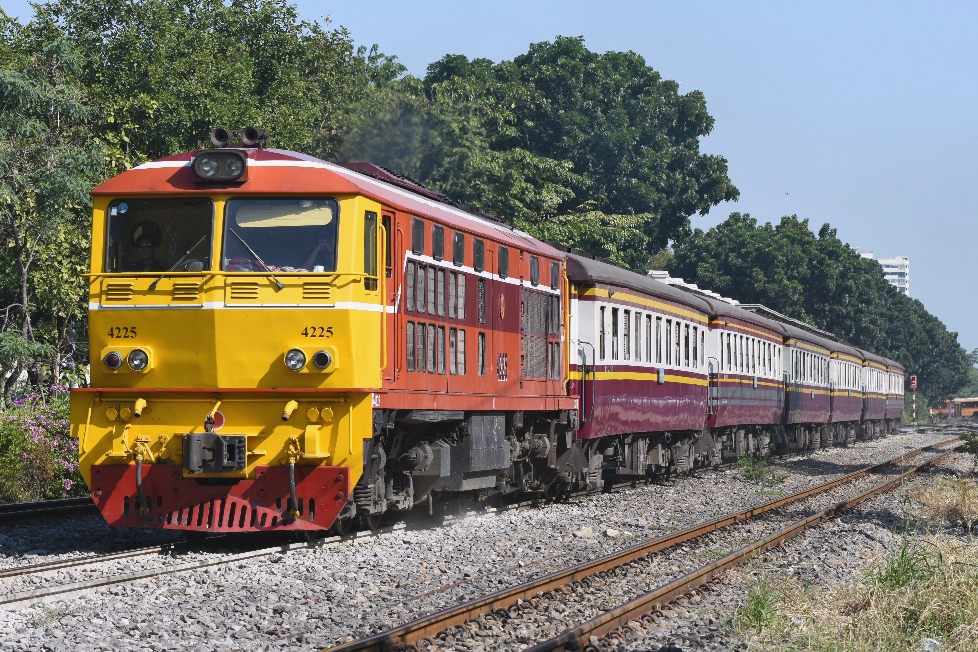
258	258
152	286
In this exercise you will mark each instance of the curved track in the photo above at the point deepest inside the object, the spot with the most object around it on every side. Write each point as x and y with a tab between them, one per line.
405	637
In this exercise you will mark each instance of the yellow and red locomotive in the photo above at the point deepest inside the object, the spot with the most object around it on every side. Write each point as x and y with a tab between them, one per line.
245	308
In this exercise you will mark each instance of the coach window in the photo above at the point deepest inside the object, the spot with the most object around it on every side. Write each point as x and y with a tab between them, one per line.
677	345
420	346
703	347
614	333
686	345
648	336
409	285
437	242
452	351
458	248
638	337
430	353
420	293
417	236
482	354
478	255
601	334
658	340
554	275
668	344
452	294
696	355
534	270
503	262
460	352
627	335
409	338
460	290
440	297
441	350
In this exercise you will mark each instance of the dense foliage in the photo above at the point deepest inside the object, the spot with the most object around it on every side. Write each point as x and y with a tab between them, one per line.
592	150
821	280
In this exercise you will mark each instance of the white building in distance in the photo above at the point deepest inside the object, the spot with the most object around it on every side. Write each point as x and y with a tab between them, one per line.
896	270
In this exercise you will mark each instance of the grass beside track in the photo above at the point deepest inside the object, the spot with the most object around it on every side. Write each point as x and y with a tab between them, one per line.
925	587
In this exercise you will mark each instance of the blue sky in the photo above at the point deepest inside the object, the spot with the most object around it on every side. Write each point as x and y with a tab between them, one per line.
857	114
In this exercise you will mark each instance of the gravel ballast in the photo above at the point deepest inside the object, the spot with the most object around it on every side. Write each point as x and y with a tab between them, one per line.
315	597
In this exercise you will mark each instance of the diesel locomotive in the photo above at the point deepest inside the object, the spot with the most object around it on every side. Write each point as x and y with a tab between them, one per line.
278	342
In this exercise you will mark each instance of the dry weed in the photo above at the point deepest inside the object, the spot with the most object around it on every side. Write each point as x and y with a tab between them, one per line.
951	501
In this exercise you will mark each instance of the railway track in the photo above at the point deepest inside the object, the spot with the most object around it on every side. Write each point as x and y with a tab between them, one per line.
11	512
170	550
415	635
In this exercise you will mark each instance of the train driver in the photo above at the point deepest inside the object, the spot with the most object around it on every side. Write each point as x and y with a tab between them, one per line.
146	238
324	253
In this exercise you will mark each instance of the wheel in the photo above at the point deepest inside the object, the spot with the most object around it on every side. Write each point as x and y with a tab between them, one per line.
371	522
340	527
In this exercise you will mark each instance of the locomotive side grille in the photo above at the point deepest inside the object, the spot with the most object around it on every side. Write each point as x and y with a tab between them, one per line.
118	291
186	290
316	291
244	290
534	316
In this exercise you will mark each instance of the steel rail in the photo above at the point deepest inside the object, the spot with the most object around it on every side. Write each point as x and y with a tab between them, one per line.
71	562
405	635
16	511
571	640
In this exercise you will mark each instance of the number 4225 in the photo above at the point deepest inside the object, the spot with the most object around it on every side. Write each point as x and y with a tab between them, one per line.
317	331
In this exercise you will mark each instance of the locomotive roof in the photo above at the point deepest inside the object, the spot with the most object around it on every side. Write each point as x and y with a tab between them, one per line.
282	172
582	269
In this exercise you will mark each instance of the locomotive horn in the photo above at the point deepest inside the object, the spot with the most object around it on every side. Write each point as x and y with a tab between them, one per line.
220	136
251	136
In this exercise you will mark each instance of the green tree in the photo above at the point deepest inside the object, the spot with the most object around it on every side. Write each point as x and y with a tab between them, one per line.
596	151
821	280
163	73
48	164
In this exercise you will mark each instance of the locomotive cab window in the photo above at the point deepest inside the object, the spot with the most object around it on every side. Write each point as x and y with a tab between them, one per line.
159	235
287	235
503	262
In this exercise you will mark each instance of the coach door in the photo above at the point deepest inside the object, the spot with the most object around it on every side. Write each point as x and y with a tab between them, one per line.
393	275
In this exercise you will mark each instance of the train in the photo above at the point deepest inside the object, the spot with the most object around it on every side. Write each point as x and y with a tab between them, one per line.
282	343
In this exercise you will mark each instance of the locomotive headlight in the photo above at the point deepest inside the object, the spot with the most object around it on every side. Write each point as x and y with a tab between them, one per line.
322	359
206	167
219	166
138	360
112	360
295	359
